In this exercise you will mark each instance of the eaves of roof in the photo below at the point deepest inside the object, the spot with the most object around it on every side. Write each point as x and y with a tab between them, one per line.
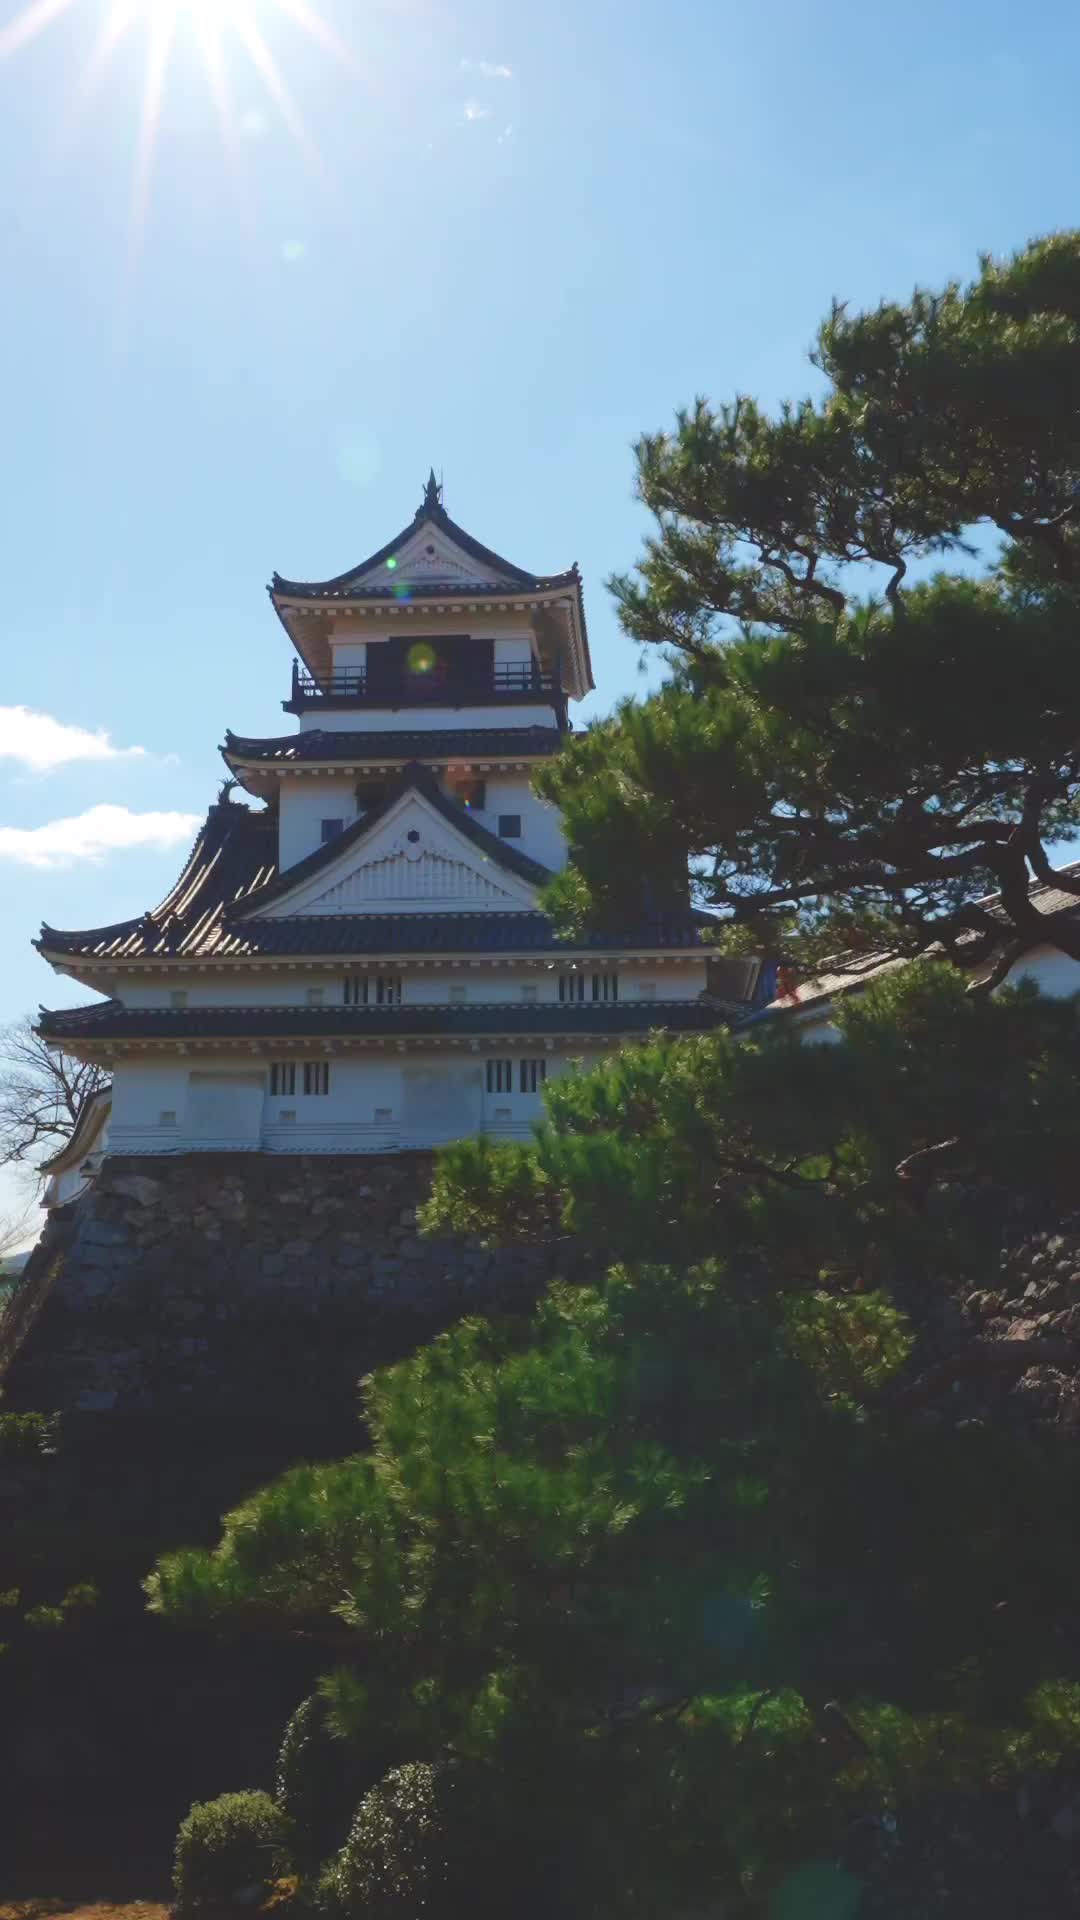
388	747
110	1021
347	585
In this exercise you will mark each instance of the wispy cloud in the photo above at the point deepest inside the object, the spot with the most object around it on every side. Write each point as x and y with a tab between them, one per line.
472	110
37	741
92	835
488	69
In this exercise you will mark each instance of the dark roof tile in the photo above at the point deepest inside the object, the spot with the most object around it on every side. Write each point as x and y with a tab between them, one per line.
112	1021
438	744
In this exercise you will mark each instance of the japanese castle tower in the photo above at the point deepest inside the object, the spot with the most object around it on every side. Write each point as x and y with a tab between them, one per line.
354	961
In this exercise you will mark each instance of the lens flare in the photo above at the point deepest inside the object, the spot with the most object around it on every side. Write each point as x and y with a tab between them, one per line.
421	658
215	26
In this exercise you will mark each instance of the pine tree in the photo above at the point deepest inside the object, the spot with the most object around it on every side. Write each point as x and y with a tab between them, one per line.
847	757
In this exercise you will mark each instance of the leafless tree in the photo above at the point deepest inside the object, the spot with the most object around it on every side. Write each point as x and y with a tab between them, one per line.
16	1230
41	1093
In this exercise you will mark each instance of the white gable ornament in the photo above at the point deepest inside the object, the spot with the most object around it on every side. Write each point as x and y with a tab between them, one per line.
430	558
411	861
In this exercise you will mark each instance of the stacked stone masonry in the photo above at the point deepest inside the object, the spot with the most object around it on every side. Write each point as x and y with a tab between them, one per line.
236	1284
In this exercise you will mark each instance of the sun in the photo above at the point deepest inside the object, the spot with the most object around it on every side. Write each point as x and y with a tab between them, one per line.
216	26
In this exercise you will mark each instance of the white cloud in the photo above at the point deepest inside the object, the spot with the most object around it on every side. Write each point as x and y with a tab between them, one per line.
472	110
93	834
490	69
41	743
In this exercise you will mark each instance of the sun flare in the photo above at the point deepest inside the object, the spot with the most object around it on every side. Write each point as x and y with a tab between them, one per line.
220	29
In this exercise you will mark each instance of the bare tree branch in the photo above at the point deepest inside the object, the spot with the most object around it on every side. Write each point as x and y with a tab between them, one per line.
41	1095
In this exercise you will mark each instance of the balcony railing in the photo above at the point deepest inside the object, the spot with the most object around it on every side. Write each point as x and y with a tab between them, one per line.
438	686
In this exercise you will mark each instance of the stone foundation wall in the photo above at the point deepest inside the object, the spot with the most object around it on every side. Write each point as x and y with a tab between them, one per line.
225	1285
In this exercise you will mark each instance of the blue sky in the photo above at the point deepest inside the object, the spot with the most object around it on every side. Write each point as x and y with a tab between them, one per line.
514	235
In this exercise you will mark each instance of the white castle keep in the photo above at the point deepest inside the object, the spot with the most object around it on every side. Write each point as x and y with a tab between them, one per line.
358	963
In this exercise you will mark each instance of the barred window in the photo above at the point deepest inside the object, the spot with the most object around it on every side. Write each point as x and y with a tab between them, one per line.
500	1076
373	990
575	987
283	1077
316	1076
532	1074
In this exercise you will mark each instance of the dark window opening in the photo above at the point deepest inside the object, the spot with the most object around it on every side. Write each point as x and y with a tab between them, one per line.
532	1074
510	826
370	793
331	829
500	1076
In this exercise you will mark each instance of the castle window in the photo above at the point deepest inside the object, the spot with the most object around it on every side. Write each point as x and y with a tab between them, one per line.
330	830
316	1076
471	794
500	1076
373	990
283	1078
532	1074
510	826
605	986
370	793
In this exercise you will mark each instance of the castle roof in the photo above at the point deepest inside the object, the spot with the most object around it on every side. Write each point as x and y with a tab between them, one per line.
356	582
232	871
433	560
110	1020
435	745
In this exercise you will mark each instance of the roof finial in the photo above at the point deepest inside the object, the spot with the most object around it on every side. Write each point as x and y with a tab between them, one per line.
432	493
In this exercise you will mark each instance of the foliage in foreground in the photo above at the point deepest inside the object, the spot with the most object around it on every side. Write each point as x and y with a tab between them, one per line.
670	1570
239	1840
844	771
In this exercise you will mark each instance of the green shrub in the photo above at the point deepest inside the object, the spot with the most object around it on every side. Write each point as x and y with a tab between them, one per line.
239	1840
394	1864
320	1778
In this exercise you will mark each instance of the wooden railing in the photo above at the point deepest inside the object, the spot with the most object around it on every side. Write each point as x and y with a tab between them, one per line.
439	686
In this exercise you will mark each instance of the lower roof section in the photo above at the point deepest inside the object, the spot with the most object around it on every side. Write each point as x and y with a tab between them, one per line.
110	1021
398	747
356	936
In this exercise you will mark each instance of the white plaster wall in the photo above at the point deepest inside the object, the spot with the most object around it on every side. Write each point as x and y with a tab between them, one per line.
421	986
306	803
541	825
304	806
375	1104
1053	972
142	1092
423	719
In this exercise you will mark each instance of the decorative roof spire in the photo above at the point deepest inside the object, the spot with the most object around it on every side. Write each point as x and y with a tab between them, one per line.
432	494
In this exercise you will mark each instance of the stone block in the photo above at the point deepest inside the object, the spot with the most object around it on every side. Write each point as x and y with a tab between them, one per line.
141	1187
